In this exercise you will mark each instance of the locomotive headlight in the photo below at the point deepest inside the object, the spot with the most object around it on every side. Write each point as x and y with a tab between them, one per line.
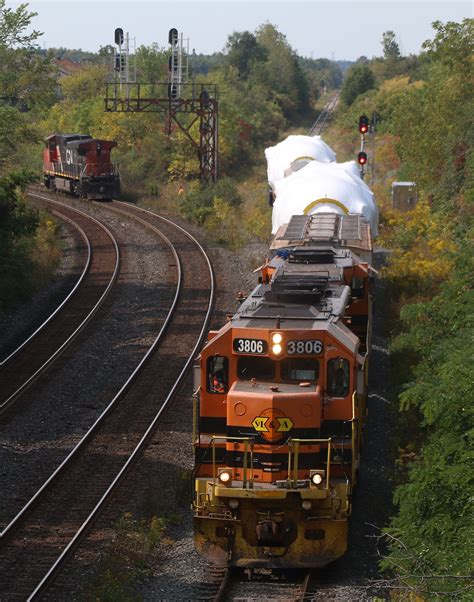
317	477
225	477
277	337
276	349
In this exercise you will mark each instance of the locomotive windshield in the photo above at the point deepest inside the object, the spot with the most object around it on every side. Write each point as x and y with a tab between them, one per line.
261	368
299	369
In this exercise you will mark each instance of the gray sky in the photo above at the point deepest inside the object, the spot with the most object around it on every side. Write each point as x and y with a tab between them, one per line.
339	29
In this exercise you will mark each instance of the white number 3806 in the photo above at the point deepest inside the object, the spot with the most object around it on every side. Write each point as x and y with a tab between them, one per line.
304	347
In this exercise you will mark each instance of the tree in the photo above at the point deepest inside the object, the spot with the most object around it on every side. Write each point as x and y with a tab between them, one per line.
12	27
453	44
391	50
26	84
243	51
152	64
359	79
282	73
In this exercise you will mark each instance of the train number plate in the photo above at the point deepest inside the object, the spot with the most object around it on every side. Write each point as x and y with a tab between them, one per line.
304	347
252	346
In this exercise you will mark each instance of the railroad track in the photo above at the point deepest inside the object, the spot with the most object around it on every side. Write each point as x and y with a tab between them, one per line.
324	117
245	585
37	543
29	361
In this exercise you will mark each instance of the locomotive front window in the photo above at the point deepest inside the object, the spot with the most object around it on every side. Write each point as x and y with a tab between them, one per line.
299	369
217	374
338	377
261	368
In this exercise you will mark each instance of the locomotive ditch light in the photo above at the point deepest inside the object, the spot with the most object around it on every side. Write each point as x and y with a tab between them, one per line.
317	477
225	476
306	505
233	503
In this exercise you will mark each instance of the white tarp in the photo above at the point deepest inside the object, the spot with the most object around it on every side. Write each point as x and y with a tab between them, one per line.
322	188
293	153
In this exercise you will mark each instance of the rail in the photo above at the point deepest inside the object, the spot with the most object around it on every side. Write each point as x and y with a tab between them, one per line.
67	298
67	551
6	403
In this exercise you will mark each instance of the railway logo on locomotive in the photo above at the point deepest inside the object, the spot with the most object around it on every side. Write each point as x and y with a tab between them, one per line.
272	424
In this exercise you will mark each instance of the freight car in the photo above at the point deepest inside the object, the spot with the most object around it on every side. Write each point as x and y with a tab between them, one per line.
80	165
280	402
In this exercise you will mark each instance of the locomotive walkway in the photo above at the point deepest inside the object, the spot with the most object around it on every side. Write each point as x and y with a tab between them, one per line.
44	535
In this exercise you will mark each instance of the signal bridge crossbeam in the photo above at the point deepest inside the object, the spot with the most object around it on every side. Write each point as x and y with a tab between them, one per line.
174	100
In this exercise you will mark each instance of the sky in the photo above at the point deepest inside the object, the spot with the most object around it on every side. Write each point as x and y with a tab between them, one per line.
334	29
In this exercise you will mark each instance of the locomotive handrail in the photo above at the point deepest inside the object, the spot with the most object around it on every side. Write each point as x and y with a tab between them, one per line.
293	457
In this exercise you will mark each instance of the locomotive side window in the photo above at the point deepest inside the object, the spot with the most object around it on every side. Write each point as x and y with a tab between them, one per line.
358	288
217	374
299	369
261	368
338	377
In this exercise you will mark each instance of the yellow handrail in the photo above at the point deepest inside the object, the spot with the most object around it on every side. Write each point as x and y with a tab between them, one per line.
293	456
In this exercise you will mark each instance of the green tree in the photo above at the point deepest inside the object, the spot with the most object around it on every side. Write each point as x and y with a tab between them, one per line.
391	50
281	73
243	52
18	225
26	76
152	64
359	79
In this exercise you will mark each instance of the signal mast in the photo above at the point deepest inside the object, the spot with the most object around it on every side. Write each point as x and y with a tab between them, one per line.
174	98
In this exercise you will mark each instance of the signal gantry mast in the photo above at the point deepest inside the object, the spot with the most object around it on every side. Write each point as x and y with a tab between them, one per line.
174	98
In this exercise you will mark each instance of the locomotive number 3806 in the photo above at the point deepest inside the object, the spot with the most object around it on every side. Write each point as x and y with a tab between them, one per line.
304	347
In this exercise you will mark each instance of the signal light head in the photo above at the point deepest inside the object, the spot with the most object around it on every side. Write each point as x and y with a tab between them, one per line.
362	158
363	124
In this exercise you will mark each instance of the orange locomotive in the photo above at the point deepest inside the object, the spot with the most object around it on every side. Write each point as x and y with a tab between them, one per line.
280	403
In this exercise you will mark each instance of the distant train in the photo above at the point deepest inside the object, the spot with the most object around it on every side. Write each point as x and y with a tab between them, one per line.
80	165
281	390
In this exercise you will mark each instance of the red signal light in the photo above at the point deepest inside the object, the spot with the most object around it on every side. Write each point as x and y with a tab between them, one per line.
363	124
362	158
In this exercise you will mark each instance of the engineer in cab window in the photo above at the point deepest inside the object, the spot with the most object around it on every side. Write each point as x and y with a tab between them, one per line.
338	377
217	368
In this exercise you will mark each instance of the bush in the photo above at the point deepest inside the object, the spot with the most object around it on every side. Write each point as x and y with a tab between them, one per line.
198	203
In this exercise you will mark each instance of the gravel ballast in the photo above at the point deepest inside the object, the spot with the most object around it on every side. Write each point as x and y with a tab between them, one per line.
64	404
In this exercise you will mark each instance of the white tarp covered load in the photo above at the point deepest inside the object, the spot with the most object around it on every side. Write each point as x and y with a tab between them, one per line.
322	188
293	153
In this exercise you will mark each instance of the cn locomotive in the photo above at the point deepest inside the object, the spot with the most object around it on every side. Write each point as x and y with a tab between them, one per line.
81	165
280	402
